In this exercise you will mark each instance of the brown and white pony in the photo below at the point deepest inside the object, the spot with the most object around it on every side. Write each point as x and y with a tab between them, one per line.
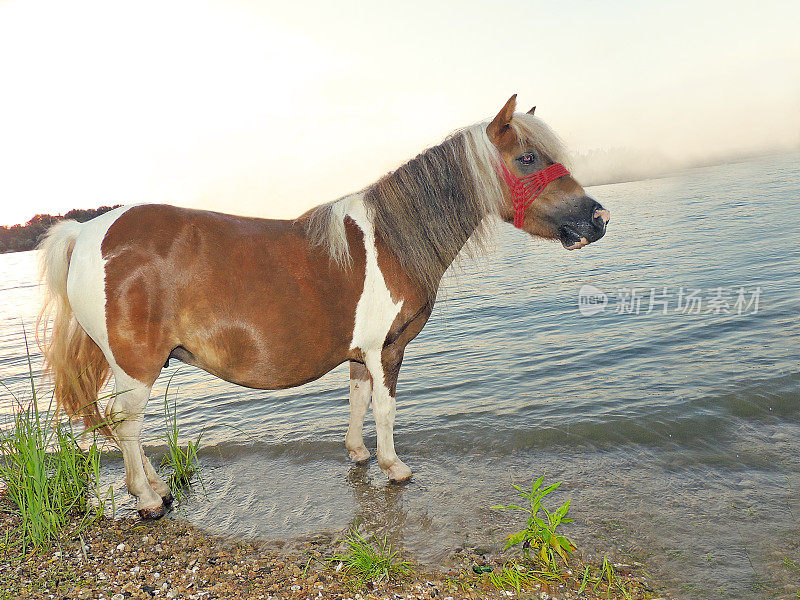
274	304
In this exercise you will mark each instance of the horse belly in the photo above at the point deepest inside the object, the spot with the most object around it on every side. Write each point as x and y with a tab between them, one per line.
264	359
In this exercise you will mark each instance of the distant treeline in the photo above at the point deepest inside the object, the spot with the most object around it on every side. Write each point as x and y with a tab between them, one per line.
25	237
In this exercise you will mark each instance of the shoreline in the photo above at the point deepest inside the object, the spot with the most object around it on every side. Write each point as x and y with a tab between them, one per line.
124	558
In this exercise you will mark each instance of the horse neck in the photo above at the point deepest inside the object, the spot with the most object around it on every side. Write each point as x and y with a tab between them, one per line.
426	210
458	241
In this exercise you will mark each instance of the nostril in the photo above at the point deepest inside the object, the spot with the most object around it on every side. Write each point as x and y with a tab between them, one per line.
601	215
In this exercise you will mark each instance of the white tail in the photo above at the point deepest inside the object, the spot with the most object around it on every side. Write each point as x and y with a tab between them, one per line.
76	363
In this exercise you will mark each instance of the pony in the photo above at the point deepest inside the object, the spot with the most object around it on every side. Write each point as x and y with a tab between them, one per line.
272	304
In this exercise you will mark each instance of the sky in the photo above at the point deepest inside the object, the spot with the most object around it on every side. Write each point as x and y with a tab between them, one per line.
269	108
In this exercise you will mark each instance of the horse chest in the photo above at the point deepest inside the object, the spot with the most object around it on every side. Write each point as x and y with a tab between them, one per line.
376	311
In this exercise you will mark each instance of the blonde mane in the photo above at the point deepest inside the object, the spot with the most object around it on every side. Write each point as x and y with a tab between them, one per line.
428	209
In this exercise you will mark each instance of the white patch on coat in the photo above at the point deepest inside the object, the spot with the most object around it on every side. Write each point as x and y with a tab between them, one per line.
375	311
86	280
86	291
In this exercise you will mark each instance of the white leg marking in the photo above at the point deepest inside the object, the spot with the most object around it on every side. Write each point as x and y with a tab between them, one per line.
375	313
360	395
383	408
156	482
130	399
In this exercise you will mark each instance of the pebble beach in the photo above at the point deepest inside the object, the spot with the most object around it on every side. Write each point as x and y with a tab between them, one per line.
115	559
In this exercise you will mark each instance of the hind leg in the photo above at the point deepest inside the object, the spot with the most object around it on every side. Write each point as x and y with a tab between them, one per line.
360	395
125	411
156	482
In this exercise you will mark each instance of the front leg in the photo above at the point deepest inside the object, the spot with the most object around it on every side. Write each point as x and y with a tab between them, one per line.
360	395
384	368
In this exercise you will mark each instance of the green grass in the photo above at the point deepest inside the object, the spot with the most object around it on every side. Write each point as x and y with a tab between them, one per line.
602	581
52	483
364	561
793	567
539	540
182	463
49	479
512	577
545	550
605	579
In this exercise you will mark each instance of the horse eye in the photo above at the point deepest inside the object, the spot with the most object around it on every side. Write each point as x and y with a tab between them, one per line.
527	159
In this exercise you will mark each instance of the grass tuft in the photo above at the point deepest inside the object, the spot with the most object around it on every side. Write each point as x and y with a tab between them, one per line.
512	577
365	561
540	533
48	477
606	580
182	464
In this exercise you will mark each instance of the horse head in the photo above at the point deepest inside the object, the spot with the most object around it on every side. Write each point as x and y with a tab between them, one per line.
542	197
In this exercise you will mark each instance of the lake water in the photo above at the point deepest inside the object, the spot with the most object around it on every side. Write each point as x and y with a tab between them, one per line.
676	433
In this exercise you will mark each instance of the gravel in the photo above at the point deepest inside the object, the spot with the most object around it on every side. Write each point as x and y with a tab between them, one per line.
127	558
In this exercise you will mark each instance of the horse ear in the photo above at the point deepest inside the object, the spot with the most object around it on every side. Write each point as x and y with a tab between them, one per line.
499	124
531	111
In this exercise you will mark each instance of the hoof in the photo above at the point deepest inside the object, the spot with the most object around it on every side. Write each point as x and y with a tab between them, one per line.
151	514
399	473
168	499
359	455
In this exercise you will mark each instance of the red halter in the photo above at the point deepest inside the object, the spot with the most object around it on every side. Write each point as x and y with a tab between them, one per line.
524	190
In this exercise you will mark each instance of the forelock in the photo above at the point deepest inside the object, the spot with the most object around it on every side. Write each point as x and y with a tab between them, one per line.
532	131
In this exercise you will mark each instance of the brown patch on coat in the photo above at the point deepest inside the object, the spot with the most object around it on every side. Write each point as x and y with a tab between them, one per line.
250	300
414	313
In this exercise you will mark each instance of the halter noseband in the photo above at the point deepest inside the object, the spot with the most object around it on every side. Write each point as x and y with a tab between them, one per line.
525	190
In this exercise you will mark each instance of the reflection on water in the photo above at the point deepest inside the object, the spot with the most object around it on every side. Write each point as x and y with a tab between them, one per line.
676	435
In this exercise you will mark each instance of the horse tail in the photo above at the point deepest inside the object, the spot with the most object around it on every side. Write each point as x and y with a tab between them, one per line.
77	365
